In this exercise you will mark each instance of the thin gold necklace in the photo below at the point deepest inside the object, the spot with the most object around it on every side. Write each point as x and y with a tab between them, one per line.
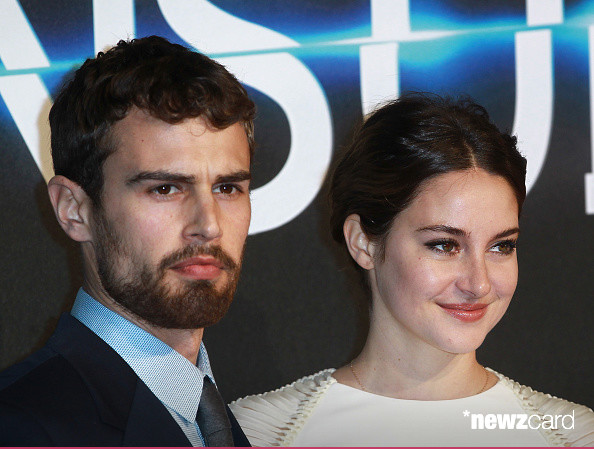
365	389
486	380
356	377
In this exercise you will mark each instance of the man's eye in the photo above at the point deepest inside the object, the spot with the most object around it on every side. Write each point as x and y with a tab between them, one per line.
226	189
165	189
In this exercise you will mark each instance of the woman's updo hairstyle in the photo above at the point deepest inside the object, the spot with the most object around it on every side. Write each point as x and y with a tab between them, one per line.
407	142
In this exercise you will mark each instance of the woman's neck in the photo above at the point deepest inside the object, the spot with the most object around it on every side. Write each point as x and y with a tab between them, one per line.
398	365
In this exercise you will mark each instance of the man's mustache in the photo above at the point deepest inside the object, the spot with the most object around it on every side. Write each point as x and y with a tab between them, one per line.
199	250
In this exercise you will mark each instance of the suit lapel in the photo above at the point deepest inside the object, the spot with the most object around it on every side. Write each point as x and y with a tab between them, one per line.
108	377
122	399
239	438
150	423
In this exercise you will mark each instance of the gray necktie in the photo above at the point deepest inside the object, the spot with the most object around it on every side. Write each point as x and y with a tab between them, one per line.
212	417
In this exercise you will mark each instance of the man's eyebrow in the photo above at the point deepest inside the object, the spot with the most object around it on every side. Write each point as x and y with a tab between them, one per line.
462	233
160	176
238	176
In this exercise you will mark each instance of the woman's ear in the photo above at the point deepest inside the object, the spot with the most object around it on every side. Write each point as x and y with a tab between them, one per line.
358	244
72	207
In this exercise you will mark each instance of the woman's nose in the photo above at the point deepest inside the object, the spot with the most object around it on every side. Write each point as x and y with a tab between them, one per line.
473	279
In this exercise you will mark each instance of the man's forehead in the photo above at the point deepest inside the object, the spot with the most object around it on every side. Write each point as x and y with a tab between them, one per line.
137	118
141	139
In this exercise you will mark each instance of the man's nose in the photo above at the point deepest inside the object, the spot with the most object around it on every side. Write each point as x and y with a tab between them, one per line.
473	278
204	219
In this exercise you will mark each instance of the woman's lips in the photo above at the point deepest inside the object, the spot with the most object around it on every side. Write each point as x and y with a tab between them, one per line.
465	312
199	268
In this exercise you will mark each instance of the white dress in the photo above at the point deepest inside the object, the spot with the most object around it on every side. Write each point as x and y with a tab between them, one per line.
318	411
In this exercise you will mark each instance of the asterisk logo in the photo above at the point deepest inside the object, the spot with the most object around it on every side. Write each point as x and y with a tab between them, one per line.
466	413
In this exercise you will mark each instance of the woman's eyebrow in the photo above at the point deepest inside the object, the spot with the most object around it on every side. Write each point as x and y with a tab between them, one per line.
507	233
444	228
462	233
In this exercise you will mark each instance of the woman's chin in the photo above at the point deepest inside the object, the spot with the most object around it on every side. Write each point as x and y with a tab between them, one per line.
460	343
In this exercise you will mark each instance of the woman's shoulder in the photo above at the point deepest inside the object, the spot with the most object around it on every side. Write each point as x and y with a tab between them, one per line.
275	417
575	431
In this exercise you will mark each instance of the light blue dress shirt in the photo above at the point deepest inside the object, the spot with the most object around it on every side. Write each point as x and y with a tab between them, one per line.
175	381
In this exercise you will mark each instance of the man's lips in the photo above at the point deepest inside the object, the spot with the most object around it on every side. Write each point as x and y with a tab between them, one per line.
465	312
200	267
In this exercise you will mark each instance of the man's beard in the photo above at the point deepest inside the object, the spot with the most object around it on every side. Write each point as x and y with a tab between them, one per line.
141	289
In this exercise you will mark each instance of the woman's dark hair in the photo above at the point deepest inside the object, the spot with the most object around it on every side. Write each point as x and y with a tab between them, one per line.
167	80
408	141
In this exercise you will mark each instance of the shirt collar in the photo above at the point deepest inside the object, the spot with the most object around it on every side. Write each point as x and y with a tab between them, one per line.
175	381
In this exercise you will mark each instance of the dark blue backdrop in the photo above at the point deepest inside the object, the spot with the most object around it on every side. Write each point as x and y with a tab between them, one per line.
314	67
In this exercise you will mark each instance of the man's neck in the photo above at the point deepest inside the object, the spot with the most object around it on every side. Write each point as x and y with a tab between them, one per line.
185	341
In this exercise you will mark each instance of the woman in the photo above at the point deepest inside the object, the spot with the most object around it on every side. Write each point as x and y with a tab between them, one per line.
426	200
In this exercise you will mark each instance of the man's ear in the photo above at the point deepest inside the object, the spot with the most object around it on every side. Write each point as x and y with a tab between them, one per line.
358	244
72	207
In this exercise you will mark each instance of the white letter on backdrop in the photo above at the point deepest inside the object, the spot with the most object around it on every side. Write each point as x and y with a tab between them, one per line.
19	46
29	102
112	20
25	96
282	77
534	98
534	85
379	71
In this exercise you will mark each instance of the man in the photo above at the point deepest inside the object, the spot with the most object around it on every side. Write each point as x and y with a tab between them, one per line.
152	145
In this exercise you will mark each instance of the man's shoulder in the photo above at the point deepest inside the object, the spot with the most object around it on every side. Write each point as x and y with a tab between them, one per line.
41	397
31	387
72	347
40	377
19	370
48	362
56	396
77	391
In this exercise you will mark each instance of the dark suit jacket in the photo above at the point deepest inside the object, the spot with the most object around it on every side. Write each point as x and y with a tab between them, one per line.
77	391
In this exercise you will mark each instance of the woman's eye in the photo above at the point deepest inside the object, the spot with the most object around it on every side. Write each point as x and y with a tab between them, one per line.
165	189
504	248
446	247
